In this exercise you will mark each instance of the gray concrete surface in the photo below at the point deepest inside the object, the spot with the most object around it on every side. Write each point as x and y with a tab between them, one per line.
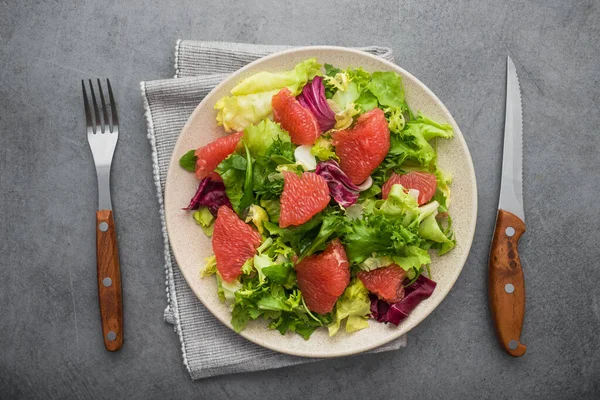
50	342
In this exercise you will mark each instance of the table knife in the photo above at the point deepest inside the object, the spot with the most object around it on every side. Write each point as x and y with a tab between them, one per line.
506	285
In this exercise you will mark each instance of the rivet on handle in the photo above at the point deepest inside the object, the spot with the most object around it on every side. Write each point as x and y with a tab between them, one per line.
513	344
510	231
112	336
509	288
103	226
107	282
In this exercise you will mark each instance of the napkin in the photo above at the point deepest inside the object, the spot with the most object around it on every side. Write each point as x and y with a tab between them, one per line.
208	347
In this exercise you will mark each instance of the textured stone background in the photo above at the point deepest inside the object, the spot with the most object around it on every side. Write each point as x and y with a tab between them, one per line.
50	342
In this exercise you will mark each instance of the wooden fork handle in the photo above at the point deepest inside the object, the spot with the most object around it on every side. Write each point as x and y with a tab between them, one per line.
506	285
109	280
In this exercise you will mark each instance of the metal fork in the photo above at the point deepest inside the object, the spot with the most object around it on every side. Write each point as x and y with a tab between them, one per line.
102	134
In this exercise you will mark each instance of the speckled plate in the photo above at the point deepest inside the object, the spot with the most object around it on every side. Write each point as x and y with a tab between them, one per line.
190	246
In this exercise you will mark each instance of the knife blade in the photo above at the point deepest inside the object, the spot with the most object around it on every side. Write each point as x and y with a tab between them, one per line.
506	285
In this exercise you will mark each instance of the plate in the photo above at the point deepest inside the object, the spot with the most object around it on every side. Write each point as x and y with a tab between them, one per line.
190	245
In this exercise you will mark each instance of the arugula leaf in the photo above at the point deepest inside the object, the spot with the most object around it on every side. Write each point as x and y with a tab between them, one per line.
279	272
233	179
188	161
330	228
298	237
248	195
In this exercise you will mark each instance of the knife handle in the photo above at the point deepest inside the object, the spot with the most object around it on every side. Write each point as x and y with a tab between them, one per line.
109	280
506	285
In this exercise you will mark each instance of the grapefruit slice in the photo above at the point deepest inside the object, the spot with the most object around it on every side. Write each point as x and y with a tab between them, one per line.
363	147
299	121
233	243
322	278
385	282
302	197
424	182
213	153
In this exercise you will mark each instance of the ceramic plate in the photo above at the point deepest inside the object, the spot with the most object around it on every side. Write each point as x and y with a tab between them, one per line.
191	246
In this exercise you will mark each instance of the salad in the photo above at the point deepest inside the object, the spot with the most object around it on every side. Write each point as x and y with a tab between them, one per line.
324	201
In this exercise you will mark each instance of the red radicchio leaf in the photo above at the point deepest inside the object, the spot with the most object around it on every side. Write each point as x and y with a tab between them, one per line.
211	194
313	98
343	191
420	290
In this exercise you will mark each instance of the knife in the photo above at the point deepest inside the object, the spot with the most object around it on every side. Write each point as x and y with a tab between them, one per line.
506	286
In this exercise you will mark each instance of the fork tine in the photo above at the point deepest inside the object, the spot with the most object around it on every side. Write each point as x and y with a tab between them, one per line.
113	106
86	105
104	110
98	125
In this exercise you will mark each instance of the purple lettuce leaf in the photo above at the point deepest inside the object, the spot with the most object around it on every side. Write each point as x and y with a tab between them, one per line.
313	98
343	191
420	290
211	194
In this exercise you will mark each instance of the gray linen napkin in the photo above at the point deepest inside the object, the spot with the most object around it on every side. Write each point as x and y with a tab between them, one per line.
199	67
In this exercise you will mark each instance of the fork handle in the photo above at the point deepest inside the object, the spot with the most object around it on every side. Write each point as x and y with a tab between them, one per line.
109	280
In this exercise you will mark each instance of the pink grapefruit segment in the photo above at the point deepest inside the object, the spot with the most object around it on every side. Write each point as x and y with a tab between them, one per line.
233	243
322	278
385	282
302	197
363	147
213	153
297	120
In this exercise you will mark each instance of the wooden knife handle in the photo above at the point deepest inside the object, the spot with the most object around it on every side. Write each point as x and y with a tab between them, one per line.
506	285
109	280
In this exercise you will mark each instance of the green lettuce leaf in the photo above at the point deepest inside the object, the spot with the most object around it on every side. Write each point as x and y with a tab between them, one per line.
238	112
414	257
429	229
227	290
430	129
257	215
205	219
210	268
266	81
346	96
261	136
366	101
353	304
400	204
251	99
372	263
387	87
323	149
359	76
272	207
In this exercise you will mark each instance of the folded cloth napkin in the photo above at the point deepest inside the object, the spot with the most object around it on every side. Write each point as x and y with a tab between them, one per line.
199	67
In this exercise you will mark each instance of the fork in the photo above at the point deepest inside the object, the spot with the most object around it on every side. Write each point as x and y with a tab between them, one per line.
102	134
